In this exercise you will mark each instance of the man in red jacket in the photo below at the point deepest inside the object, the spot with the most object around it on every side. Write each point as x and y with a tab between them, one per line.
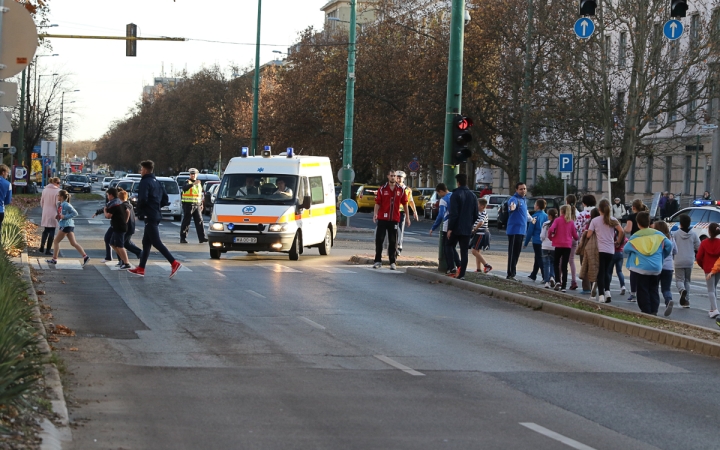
387	217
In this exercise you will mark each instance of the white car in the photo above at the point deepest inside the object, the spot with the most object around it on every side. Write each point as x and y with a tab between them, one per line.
173	192
106	182
700	218
493	206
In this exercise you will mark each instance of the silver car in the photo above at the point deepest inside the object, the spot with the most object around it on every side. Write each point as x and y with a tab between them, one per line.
493	206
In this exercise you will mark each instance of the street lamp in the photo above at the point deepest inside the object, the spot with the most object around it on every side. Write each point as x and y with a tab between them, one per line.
697	155
62	110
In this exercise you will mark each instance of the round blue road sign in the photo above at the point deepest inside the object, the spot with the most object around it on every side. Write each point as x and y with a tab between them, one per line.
673	29
584	28
348	207
414	166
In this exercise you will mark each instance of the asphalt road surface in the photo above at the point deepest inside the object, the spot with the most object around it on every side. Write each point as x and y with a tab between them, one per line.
265	353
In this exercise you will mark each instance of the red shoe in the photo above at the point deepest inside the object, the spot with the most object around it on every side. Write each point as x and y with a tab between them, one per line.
139	271
573	287
175	267
488	268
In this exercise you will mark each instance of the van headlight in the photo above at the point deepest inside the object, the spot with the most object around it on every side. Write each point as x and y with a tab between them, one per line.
278	227
217	226
176	203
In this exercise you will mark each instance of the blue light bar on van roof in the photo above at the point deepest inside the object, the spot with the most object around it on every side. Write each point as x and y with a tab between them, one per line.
290	152
244	152
704	203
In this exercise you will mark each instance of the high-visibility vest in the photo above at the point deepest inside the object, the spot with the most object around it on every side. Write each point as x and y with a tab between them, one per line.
192	195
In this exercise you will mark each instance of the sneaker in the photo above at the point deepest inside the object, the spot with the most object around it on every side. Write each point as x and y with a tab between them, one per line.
593	291
41	250
584	292
552	281
622	290
175	266
451	274
547	285
632	298
532	278
377	265
399	251
573	286
488	268
183	241
107	260
86	258
202	241
669	308
683	299
392	266
714	313
125	266
511	278
600	298
558	286
51	261
607	297
563	290
139	271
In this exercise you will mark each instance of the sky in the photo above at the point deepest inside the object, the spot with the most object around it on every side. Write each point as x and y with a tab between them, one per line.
110	83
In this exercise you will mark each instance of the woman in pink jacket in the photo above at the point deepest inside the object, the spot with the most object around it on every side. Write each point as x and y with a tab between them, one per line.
562	233
48	202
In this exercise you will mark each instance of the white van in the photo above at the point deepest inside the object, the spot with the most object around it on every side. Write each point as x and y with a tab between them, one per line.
275	204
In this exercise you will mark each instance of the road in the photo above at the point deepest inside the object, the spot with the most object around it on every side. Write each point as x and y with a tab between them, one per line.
266	353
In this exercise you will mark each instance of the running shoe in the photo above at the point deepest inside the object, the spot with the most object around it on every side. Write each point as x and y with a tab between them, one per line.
511	278
573	286
563	290
51	261
139	271
632	298
622	290
683	299
552	281
668	308
377	265
607	297
125	267
532	278
488	268
557	286
393	266
714	313
86	258
547	285
175	266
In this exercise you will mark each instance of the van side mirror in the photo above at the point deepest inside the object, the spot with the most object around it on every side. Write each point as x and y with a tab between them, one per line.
307	202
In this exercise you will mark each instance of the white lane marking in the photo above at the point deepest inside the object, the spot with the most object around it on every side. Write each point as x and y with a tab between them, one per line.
278	268
409	233
329	269
384	269
254	294
95	222
397	365
310	322
558	437
411	239
176	223
68	264
166	266
216	269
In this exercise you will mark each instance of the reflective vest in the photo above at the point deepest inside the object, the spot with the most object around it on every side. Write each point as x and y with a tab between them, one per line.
192	195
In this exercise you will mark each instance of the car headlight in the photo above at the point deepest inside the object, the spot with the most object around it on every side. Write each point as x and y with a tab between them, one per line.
177	203
277	227
217	226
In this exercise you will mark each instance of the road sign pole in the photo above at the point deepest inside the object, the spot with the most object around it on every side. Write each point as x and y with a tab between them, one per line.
349	113
256	87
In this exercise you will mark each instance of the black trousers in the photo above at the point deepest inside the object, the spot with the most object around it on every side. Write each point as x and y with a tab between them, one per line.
192	210
562	257
452	259
515	242
648	298
464	242
2	217
604	276
151	238
48	235
389	228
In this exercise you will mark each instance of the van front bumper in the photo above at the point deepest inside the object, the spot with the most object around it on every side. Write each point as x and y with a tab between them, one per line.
266	242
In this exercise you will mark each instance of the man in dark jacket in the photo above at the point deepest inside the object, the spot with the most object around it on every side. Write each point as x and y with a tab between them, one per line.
150	196
461	219
671	206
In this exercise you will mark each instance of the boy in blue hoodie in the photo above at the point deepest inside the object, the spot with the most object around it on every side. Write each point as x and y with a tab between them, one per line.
645	252
533	233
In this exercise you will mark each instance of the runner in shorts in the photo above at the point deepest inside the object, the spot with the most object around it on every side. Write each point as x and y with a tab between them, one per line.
481	237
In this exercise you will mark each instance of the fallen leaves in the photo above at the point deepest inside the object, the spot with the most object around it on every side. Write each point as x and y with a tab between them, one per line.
40	292
73	349
61	330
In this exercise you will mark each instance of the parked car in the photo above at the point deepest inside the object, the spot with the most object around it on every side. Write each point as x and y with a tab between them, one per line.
77	183
173	192
366	197
106	182
493	206
353	191
207	201
431	207
502	215
93	177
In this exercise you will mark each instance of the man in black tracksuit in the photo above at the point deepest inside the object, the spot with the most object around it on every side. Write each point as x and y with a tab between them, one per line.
461	219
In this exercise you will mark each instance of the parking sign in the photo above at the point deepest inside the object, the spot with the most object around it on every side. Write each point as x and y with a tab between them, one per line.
566	162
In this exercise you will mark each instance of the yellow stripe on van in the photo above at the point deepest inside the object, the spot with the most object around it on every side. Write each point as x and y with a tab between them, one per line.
289	217
315	164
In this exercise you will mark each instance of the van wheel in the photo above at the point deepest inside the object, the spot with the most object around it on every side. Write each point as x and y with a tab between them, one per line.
295	250
215	253
326	244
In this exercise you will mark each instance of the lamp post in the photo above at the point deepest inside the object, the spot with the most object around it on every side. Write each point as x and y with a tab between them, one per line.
60	131
697	156
256	87
35	78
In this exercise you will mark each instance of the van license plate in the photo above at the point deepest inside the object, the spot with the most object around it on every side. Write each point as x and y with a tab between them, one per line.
246	240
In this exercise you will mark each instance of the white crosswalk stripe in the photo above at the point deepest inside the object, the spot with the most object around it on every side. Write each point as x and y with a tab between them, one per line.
278	268
95	222
166	266
68	264
329	269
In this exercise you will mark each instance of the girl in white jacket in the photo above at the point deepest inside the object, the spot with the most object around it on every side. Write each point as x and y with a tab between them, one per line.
548	251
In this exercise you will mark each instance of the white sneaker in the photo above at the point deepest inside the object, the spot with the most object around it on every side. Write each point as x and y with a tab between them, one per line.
622	290
547	285
600	298
552	281
377	265
593	291
392	266
607	297
713	314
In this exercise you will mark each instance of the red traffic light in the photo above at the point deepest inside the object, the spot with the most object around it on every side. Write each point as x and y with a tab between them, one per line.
464	123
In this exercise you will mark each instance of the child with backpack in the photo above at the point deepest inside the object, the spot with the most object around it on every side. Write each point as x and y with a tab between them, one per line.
548	250
707	255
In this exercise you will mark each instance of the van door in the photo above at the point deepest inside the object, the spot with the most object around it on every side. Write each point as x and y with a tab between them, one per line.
317	213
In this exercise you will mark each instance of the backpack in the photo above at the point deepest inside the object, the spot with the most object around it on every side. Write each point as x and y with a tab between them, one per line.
164	199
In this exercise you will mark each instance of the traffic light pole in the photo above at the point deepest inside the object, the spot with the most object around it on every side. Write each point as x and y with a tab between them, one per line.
526	95
349	112
256	87
453	102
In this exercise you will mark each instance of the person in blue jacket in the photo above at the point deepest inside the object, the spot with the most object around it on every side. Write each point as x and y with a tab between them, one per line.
452	258
533	233
5	193
518	218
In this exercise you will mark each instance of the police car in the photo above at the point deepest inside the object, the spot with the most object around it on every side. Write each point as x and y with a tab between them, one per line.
702	214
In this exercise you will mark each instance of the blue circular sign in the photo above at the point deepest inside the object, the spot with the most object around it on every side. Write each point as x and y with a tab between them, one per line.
673	29
348	207
584	28
414	166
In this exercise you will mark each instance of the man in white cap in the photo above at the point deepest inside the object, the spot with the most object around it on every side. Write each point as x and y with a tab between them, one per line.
192	198
400	180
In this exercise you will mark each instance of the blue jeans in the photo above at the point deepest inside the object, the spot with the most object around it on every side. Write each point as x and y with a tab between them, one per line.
548	260
666	278
151	238
617	261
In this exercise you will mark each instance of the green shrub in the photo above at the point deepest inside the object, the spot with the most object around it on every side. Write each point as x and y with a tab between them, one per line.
12	229
20	362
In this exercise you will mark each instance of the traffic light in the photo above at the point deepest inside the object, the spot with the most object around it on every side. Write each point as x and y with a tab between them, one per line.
587	7
604	166
131	45
461	138
678	8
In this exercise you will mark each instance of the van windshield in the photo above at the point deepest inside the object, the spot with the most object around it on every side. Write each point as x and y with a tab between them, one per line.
171	187
258	189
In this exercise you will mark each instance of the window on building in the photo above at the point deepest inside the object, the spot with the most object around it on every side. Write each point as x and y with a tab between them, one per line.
668	173
694	29
621	49
693	102
672	104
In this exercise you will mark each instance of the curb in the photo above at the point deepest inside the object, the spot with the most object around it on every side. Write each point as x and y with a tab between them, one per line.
663	337
356	259
355	230
52	436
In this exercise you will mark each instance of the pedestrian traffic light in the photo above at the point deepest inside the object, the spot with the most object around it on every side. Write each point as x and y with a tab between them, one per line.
461	138
604	166
587	7
131	44
678	8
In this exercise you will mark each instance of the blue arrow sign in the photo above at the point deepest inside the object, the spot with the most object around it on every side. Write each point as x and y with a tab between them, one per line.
566	162
673	29
47	161
584	27
348	207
